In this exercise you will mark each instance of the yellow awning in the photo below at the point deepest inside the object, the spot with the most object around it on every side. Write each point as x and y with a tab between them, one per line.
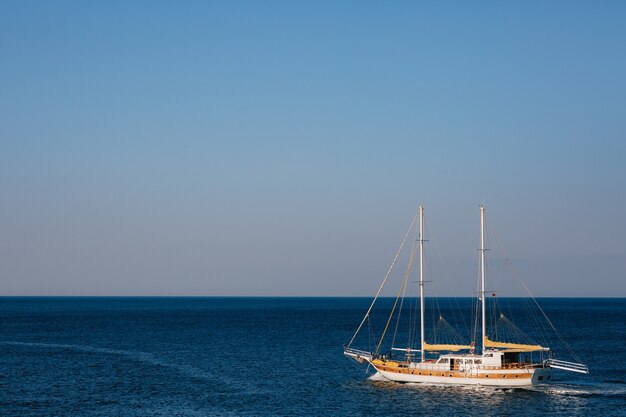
516	346
452	348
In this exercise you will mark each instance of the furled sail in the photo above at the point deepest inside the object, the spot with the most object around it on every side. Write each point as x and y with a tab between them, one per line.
516	346
449	347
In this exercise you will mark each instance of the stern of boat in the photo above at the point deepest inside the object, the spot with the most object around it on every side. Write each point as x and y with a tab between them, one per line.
542	375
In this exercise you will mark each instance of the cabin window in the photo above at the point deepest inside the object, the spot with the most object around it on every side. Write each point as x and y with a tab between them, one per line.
478	361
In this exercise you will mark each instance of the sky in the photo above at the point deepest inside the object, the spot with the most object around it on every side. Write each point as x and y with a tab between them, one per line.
282	147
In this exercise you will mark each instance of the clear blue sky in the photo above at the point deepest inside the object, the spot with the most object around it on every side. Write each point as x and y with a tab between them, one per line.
281	148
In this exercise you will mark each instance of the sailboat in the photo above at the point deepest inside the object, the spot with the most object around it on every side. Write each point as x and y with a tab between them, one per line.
499	363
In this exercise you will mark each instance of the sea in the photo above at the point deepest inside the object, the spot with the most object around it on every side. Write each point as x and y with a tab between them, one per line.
231	356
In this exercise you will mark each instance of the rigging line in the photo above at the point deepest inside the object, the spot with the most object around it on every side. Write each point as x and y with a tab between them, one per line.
533	317
508	304
460	313
530	315
410	320
495	303
433	303
400	292
415	316
447	275
409	342
369	337
477	304
539	326
491	318
509	332
395	258
408	271
395	332
567	346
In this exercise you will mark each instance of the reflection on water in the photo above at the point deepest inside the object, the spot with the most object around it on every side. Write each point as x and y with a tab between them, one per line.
566	398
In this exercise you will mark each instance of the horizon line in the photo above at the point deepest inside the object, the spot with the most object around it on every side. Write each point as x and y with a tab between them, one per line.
279	296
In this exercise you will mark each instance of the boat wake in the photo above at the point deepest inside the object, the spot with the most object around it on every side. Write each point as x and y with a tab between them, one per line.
605	390
378	377
584	390
137	356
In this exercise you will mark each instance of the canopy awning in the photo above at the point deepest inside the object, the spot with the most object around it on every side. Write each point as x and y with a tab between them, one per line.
511	347
449	347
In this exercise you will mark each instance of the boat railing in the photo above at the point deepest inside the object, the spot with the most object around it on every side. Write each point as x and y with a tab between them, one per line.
431	366
470	368
466	369
513	365
358	352
567	366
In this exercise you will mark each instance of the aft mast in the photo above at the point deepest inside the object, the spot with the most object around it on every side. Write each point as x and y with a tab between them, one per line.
421	240
482	273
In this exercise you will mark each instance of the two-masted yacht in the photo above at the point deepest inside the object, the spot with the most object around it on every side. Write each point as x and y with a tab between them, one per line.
492	363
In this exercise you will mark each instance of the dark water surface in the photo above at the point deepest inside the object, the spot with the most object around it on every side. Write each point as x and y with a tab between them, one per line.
264	357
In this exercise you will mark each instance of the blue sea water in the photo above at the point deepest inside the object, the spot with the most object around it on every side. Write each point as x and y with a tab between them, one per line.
265	357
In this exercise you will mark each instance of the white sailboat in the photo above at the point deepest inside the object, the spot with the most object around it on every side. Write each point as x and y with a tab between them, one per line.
499	363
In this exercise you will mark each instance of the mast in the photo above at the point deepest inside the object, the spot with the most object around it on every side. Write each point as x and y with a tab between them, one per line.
482	272
421	240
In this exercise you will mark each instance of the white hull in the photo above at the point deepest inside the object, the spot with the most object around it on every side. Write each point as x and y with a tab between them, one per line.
527	378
